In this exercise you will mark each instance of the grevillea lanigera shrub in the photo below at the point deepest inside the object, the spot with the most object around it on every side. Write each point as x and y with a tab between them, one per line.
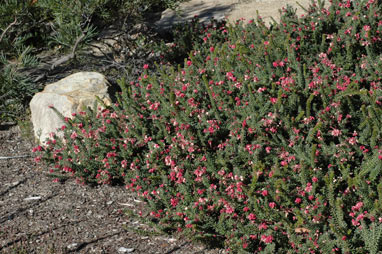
268	141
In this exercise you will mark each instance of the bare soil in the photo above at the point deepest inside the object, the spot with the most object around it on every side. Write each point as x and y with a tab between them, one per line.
40	216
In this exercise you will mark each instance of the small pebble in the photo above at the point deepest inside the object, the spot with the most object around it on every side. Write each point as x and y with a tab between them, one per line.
171	240
72	246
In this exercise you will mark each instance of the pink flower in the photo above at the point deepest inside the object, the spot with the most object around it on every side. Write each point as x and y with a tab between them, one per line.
168	160
336	132
263	226
355	222
352	141
251	217
267	238
266	43
264	193
145	66
308	187
357	207
272	205
221	172
155	106
298	200
229	210
37	148
74	135
360	217
124	164
174	202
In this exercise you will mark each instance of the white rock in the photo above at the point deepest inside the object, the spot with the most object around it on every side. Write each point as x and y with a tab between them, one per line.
69	95
125	250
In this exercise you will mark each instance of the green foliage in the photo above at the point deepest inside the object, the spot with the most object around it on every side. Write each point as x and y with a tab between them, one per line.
257	141
15	90
371	235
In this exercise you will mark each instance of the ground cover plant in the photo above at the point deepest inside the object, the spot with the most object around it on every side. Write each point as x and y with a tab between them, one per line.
266	140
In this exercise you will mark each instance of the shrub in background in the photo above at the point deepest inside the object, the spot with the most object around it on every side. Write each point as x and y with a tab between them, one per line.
18	26
30	27
268	141
41	22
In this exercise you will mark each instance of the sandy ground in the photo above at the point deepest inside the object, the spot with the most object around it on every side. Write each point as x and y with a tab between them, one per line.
231	9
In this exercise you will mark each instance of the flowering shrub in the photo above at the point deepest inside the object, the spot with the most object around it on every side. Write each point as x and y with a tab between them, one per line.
268	141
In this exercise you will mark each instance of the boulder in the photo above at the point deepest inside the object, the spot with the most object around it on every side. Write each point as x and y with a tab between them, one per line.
69	95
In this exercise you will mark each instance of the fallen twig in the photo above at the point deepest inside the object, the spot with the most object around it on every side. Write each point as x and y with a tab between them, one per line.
15	157
66	58
6	29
